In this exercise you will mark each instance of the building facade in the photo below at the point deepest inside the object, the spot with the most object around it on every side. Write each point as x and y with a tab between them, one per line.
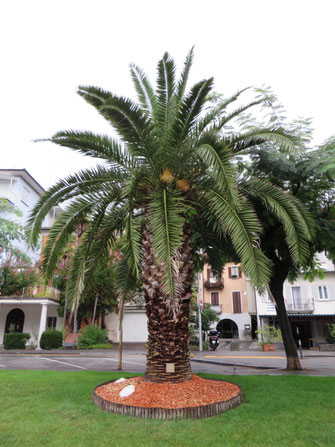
310	306
35	313
232	298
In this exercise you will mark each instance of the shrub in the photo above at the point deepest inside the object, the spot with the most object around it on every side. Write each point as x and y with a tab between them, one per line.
16	340
331	333
268	335
92	335
98	346
51	339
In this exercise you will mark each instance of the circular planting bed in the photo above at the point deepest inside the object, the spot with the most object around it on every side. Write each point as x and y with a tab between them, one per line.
196	398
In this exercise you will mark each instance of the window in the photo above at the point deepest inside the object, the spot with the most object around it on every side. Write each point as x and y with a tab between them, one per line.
296	297
52	321
237	308
234	272
323	292
215	299
25	196
213	278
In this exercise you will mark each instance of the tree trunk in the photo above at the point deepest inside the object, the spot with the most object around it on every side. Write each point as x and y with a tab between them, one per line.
95	309
75	328
276	288
121	309
168	336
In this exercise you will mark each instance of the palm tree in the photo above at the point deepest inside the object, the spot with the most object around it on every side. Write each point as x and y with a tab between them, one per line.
169	185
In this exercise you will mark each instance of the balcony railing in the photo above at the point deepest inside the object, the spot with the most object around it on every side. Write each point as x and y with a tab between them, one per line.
218	284
299	305
217	308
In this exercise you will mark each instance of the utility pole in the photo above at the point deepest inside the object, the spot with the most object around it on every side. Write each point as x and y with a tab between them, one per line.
199	314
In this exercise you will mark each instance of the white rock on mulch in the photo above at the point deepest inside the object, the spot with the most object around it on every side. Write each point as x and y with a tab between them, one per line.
122	379
127	391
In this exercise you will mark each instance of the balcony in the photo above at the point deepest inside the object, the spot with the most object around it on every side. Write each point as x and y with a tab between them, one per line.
217	308
303	305
214	284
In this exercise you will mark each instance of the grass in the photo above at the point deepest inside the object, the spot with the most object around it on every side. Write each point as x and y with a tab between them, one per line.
53	408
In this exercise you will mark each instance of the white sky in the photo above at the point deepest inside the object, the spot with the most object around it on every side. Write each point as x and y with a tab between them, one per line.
49	47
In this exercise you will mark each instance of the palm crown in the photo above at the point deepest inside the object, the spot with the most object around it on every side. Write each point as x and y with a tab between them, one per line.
170	170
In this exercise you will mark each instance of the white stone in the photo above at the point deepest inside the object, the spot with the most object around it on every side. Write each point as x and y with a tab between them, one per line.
122	379
127	391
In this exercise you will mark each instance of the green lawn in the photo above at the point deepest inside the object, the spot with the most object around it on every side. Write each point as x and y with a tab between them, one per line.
48	408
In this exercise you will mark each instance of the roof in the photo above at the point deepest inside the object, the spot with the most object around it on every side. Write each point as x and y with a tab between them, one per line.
26	300
29	179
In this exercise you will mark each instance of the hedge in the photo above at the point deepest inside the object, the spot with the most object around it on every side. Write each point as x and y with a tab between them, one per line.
51	339
16	340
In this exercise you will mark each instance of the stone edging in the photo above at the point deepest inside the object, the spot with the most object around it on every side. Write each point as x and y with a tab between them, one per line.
168	413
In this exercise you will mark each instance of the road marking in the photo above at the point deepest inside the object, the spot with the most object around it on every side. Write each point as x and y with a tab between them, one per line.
243	357
2	366
124	361
64	363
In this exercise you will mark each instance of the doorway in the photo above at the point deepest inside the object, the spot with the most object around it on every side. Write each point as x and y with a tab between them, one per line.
302	330
227	328
15	321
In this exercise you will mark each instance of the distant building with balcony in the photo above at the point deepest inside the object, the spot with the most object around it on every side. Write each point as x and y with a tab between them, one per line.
37	309
233	299
21	190
310	306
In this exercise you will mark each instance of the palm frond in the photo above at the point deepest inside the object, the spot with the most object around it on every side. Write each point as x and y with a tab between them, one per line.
166	221
192	106
60	234
259	136
217	159
242	226
131	247
86	181
145	92
184	75
93	145
295	222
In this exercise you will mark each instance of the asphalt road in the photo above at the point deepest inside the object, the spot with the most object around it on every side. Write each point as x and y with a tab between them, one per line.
221	362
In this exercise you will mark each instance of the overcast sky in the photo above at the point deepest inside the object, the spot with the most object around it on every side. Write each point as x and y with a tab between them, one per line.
49	47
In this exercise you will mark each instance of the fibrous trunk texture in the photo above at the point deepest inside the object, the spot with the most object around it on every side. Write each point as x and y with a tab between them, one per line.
168	334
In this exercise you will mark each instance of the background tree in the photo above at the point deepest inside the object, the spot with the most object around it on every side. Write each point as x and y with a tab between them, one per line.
208	317
168	179
10	232
306	175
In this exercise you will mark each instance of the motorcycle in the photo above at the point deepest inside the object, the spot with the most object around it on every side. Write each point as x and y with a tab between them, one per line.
213	339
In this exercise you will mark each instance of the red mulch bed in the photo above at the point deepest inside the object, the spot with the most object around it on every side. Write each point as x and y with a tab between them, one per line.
193	393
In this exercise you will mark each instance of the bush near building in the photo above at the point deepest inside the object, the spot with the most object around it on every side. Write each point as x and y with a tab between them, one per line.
16	340
92	335
51	339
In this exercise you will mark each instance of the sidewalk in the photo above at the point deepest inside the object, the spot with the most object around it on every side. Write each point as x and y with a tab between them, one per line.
312	361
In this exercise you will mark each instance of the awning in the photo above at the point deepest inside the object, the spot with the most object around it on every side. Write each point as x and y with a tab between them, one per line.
27	300
302	316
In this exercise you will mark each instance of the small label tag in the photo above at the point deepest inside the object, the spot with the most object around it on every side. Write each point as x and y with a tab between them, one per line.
170	367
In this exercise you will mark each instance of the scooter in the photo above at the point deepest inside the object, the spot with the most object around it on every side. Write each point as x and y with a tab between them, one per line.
213	339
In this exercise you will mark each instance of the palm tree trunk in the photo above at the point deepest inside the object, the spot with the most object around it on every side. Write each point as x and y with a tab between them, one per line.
168	336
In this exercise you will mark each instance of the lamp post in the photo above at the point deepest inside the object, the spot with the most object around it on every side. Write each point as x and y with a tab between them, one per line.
199	314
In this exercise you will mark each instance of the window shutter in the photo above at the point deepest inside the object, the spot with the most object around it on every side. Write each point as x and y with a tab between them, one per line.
208	274
315	289
229	272
239	272
215	298
331	294
237	309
